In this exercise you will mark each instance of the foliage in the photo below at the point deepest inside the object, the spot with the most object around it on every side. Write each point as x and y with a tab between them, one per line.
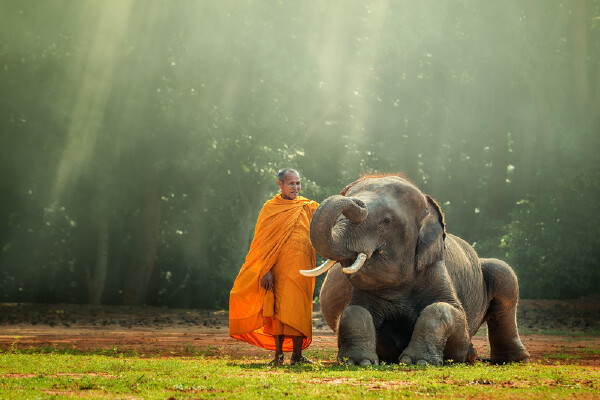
140	138
552	257
552	240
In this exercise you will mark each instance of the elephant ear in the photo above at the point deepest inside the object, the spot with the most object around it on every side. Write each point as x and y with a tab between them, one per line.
430	245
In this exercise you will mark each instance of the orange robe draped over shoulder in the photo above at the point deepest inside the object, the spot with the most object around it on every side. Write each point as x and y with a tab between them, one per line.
281	245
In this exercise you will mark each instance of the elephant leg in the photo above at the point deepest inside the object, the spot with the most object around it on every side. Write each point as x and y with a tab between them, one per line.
335	296
501	317
356	337
440	332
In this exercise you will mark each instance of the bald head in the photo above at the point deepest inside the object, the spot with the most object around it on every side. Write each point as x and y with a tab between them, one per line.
283	172
288	181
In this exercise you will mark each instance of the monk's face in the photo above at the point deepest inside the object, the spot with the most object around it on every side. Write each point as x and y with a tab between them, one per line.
290	186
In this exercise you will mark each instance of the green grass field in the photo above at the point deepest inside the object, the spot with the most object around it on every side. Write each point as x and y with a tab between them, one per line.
53	373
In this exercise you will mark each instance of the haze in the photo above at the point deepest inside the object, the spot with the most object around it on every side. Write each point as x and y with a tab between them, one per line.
139	138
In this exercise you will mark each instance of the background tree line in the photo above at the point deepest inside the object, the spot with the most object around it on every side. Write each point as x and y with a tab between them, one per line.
139	139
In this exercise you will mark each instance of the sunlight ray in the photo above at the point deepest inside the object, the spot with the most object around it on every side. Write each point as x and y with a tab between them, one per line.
96	75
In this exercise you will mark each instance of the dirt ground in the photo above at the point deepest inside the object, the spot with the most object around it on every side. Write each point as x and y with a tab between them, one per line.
553	331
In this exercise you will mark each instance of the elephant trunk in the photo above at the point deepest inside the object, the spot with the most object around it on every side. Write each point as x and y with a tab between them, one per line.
328	241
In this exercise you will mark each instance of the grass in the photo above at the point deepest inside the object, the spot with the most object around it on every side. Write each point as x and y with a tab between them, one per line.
62	373
593	332
588	332
566	355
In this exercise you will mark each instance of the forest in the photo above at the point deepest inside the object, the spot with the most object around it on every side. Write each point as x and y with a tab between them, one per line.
140	138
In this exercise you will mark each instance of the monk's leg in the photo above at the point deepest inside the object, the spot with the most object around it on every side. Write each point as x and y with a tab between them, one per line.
297	350
297	357
278	349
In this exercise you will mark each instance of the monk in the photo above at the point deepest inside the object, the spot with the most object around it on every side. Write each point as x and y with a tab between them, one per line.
270	305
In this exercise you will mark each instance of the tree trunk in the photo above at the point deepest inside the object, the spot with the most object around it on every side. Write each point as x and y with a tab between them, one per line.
96	274
144	250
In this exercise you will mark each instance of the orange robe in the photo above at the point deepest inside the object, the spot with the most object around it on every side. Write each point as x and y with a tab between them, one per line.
281	245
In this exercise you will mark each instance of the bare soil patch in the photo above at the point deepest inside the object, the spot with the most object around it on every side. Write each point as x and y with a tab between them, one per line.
569	331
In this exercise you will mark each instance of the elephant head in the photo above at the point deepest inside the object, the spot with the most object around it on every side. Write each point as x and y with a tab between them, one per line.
382	229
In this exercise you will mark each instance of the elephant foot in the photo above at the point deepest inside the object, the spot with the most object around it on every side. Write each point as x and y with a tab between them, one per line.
440	330
422	355
356	337
364	359
515	354
420	360
471	354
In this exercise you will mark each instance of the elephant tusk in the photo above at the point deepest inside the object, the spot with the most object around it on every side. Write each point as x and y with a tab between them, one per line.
360	260
326	266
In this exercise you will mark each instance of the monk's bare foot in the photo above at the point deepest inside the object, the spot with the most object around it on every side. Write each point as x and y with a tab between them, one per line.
300	360
278	360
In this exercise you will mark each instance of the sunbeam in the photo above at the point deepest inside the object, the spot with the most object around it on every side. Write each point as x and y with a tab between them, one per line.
94	74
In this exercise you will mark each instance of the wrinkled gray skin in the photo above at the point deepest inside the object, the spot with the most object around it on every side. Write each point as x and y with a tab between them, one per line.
421	295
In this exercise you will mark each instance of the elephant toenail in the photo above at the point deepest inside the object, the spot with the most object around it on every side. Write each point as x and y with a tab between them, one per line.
406	360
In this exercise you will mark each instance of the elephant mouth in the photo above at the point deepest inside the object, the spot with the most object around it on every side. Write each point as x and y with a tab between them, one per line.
348	266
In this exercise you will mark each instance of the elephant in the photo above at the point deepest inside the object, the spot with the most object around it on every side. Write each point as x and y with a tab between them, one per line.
399	288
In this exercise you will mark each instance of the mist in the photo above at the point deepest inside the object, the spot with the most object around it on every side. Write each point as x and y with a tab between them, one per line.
139	139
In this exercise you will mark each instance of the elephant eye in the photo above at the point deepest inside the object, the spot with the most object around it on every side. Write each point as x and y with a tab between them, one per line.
386	221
